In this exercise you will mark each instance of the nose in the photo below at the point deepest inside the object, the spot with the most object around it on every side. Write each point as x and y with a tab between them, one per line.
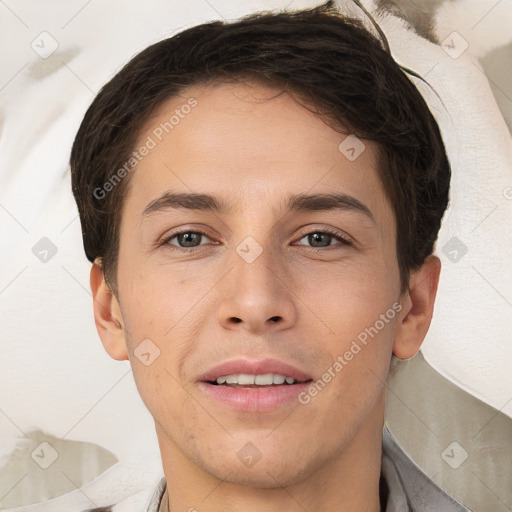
257	296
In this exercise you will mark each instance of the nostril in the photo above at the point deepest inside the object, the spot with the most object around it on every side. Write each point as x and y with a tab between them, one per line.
236	320
275	318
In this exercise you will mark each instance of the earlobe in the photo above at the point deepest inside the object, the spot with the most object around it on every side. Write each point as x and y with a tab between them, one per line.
418	308
107	316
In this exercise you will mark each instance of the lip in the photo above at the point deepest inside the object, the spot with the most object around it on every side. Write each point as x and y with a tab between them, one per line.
237	366
257	400
264	399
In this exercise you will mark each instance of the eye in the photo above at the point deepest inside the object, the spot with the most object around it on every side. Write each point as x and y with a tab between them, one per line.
186	240
325	238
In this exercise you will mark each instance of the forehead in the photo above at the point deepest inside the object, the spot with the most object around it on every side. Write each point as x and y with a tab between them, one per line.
246	141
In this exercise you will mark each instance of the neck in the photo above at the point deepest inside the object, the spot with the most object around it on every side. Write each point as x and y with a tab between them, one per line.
348	481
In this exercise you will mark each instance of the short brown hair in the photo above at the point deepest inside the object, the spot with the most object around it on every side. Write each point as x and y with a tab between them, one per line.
330	63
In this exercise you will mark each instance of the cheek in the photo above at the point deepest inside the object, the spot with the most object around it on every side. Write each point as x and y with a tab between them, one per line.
163	315
352	297
358	321
345	393
165	398
156	299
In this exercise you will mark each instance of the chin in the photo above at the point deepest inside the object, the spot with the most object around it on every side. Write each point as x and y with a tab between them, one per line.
265	474
264	478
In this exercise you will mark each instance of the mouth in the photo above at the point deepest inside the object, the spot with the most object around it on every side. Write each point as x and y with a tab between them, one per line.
246	380
254	386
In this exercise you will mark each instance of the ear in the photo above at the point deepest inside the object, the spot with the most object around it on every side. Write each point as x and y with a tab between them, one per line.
418	308
107	316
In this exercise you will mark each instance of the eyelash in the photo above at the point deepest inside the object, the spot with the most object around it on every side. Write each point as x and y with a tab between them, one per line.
344	240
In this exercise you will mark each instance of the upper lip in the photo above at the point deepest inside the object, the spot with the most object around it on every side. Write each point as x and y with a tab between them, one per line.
261	367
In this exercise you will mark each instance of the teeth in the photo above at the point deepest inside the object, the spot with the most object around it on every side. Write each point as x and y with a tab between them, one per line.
279	379
264	380
244	379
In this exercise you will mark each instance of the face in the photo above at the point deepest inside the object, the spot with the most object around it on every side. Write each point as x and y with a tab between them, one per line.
285	266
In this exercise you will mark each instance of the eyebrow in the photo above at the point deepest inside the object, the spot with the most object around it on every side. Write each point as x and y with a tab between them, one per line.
326	202
294	203
202	202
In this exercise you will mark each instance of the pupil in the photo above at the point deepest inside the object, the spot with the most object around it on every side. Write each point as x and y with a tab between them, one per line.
317	237
189	239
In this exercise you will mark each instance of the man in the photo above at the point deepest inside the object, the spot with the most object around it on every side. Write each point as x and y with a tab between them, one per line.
260	201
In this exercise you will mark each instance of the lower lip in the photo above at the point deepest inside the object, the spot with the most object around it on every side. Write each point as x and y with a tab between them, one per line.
262	399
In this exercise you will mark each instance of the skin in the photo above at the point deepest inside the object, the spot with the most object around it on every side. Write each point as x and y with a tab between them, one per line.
252	147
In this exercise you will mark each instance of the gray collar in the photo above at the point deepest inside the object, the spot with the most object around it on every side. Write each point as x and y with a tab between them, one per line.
409	488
